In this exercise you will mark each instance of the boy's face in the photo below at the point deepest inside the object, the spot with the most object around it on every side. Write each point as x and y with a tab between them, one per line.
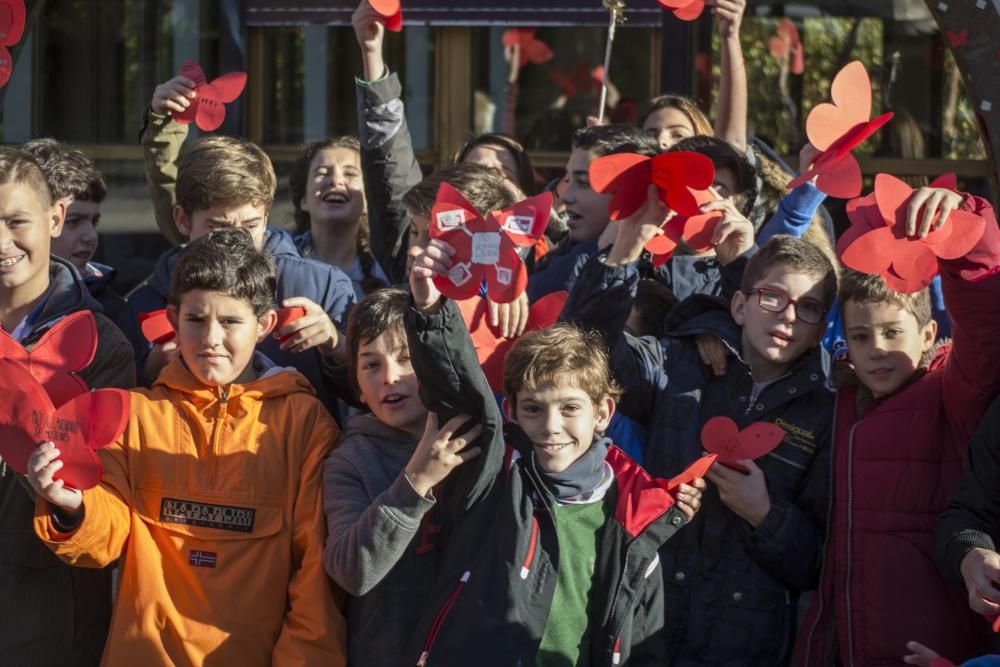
217	334
388	385
771	341
251	217
586	209
885	343
561	422
668	126
335	191
78	241
27	227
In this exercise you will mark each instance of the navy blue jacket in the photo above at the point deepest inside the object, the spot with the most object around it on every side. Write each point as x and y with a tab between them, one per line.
559	268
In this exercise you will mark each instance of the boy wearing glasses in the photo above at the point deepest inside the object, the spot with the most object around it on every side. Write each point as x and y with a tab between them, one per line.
732	579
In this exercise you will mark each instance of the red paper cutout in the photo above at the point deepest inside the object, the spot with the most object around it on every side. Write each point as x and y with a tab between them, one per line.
694	471
391	11
286	316
948	181
876	242
685	10
721	435
533	50
87	422
65	349
208	109
12	20
491	347
156	328
958	38
838	128
486	248
580	81
788	44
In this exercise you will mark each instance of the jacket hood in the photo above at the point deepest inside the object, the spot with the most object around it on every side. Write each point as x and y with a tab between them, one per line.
273	381
68	294
369	427
280	242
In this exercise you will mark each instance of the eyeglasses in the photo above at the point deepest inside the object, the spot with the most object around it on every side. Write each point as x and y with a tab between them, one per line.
775	301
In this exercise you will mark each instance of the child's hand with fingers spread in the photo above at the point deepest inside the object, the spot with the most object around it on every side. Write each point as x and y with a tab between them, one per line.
42	465
920	655
440	451
427	262
173	96
689	497
314	329
734	234
511	318
939	202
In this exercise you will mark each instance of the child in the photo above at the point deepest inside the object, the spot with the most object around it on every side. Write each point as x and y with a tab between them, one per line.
75	180
733	579
226	182
51	611
903	423
552	556
212	493
385	525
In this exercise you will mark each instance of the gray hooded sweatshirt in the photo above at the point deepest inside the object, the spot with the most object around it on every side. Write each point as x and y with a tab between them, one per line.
384	543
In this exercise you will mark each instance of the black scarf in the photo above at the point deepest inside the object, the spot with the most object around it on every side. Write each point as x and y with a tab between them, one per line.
583	475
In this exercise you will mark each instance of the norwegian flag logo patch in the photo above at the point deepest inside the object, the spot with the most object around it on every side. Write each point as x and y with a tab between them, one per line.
202	558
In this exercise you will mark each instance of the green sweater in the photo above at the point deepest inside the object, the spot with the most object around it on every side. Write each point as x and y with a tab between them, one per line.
566	639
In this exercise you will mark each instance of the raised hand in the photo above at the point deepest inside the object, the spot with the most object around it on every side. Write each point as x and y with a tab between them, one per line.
173	96
440	451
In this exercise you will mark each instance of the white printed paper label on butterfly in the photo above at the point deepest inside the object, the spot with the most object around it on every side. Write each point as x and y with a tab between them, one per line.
504	275
519	224
448	220
460	274
486	248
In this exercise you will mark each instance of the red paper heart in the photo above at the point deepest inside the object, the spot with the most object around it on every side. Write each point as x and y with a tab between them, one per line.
838	128
721	436
156	328
578	82
876	242
533	50
694	471
685	10
486	248
627	176
391	11
65	349
208	108
12	21
285	317
87	422
491	347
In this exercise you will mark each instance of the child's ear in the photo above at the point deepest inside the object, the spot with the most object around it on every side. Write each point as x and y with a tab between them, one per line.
173	316
738	306
508	409
266	324
183	221
605	411
929	335
57	216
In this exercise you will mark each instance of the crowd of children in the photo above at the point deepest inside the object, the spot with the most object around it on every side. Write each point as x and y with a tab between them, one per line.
347	489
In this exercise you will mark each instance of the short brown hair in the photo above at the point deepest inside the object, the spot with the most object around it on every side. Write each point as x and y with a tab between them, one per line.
68	171
17	166
223	173
561	352
865	288
797	256
382	311
486	189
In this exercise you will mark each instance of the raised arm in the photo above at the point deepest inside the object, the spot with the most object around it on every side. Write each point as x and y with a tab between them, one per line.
731	119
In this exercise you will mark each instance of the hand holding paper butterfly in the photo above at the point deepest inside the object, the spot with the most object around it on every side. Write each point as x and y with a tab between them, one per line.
313	329
730	15
689	497
42	466
635	231
432	260
173	96
745	494
930	207
733	235
369	28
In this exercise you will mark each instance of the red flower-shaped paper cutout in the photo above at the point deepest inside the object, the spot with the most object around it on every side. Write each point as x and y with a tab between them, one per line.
87	422
532	49
391	11
838	128
156	328
877	243
486	248
788	44
64	350
685	10
285	317
694	471
491	347
721	435
208	108
581	81
12	17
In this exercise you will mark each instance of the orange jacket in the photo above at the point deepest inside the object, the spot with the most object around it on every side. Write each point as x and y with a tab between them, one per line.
213	496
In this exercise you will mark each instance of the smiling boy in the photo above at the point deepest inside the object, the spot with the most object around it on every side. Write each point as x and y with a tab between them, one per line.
211	496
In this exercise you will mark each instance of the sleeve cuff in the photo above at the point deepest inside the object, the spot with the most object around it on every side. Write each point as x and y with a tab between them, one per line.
380	91
961	544
405	504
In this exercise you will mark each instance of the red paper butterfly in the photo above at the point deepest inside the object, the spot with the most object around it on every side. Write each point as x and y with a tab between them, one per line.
721	435
533	50
491	347
208	109
486	248
685	10
876	241
87	422
391	11
12	17
787	44
838	128
694	471
581	81
65	349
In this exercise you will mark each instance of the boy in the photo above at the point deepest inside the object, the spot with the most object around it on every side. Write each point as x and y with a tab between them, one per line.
385	526
903	423
51	612
212	493
733	578
551	558
226	182
76	181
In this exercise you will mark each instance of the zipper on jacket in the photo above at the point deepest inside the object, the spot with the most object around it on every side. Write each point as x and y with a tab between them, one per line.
616	655
526	566
217	432
439	620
